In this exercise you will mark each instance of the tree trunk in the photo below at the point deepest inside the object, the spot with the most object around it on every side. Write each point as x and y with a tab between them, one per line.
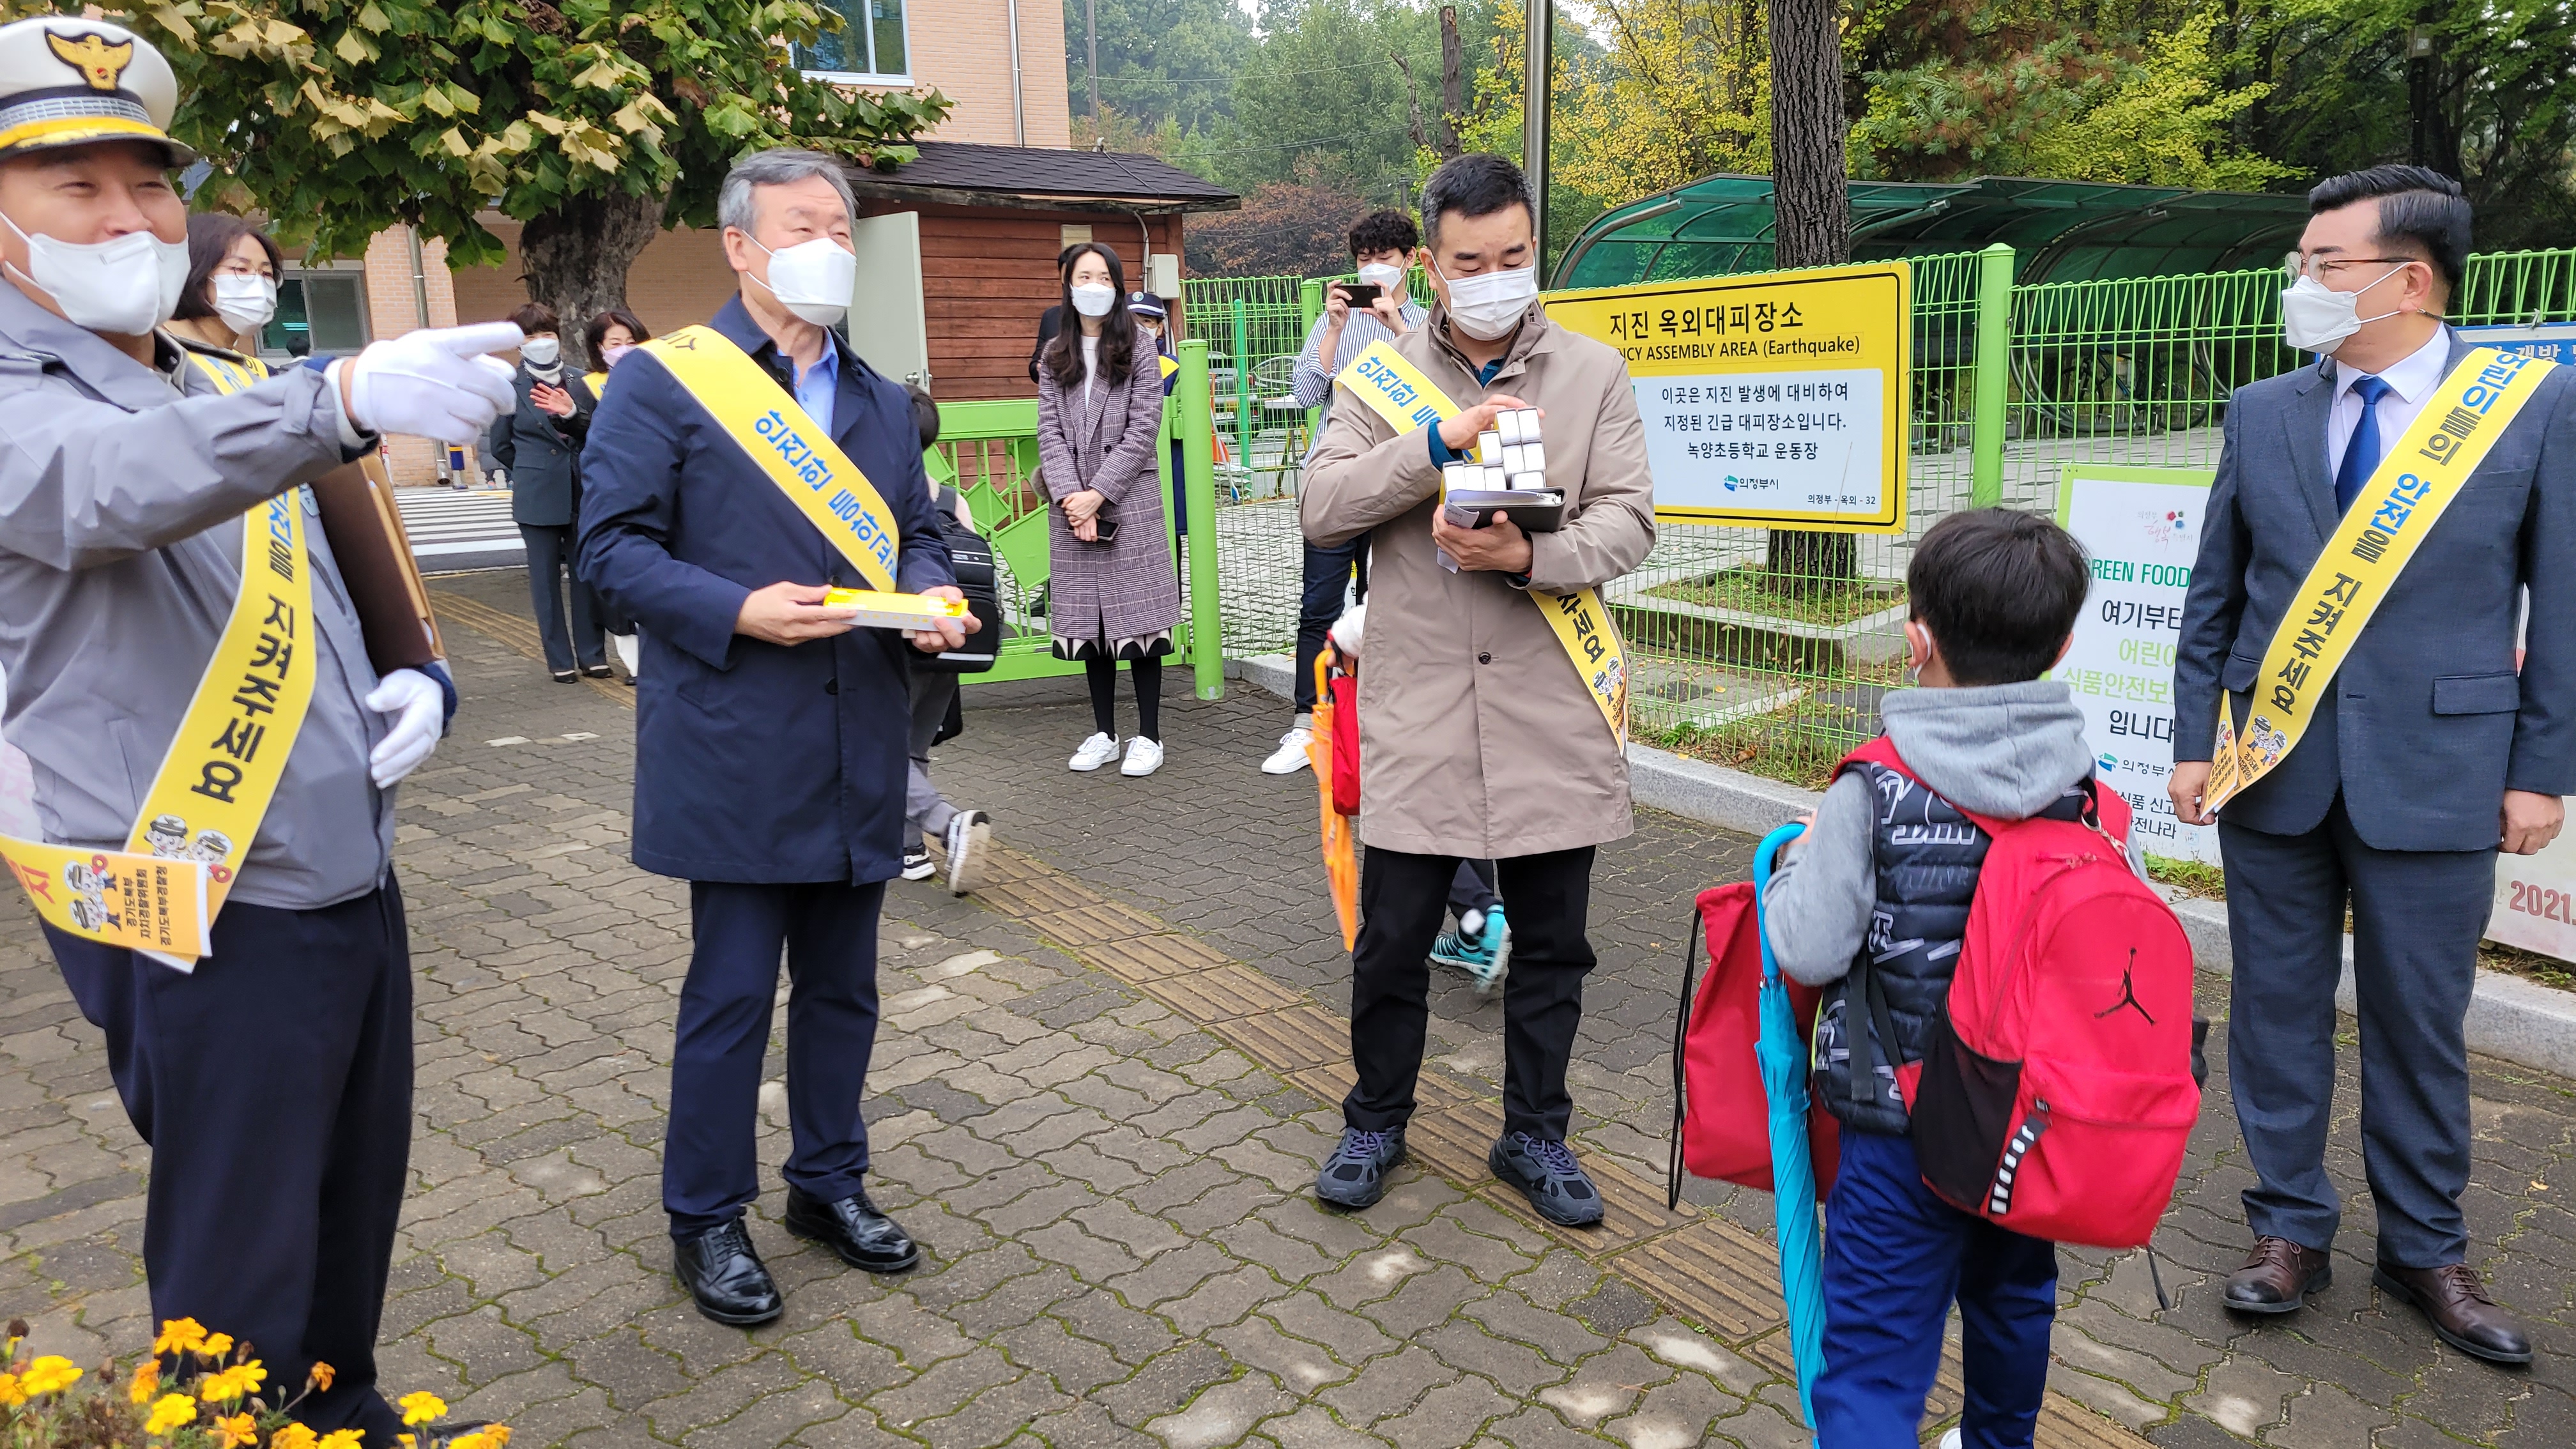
1811	202
1453	82
577	256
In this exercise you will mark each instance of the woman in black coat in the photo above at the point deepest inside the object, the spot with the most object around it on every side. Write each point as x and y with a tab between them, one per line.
539	442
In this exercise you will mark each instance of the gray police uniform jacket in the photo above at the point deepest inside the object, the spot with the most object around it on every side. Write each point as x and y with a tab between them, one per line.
120	556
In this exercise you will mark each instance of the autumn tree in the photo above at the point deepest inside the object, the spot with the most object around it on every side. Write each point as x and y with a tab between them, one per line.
594	122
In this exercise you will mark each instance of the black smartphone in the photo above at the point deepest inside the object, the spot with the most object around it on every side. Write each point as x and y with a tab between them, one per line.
1363	295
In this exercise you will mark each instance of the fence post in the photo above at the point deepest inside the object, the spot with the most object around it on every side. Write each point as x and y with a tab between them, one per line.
1242	391
1198	479
1994	363
1310	305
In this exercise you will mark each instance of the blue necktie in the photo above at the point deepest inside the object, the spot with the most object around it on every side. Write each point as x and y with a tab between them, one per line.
2361	455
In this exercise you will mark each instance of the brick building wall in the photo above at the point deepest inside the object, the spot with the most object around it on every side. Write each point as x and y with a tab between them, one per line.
394	293
963	47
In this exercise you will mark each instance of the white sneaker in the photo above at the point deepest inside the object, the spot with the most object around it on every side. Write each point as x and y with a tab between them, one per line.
1950	1439
1144	757
968	834
1095	752
1290	757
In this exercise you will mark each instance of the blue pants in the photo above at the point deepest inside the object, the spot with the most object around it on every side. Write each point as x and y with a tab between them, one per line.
1895	1257
274	1086
829	933
1326	575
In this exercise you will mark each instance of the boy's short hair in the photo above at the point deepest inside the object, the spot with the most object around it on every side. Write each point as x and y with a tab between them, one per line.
925	414
1383	231
1999	590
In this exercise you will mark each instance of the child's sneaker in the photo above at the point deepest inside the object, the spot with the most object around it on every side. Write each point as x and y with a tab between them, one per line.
968	835
1547	1174
1355	1175
1484	956
916	862
1094	753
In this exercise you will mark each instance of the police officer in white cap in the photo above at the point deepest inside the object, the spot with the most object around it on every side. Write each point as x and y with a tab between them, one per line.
272	1080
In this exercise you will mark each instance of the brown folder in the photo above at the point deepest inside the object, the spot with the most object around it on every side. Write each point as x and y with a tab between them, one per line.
384	583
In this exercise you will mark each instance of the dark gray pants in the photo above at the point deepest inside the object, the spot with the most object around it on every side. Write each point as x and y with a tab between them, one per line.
2417	916
924	808
550	573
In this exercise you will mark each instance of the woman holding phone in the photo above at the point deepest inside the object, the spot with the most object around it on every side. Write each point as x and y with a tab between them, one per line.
539	442
1112	593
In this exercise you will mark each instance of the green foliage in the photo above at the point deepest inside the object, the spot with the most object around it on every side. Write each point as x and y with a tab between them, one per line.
2166	122
341	119
1160	60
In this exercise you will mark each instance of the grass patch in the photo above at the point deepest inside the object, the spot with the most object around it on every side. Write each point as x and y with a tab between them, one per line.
2191	877
1798	745
1746	587
2529	965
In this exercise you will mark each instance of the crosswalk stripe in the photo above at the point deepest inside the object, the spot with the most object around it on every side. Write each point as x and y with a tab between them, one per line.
443	522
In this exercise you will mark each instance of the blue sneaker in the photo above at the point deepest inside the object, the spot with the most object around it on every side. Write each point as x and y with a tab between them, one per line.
1485	956
1547	1174
1355	1175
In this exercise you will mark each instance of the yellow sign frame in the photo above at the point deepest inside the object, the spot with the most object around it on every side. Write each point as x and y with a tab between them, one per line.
1714	326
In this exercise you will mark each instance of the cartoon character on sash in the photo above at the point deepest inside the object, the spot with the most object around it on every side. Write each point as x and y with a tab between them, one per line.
167	836
211	847
89	895
2265	740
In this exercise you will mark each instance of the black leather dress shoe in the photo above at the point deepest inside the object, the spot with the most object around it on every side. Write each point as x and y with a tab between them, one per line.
854	1230
722	1271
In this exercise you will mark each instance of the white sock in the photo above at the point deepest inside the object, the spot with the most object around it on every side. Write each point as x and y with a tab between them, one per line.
1303	721
1472	924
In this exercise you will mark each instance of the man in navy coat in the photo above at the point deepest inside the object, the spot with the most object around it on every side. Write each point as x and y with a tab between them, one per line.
2432	747
770	734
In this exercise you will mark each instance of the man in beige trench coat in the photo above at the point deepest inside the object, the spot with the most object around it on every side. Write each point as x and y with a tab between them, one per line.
1478	738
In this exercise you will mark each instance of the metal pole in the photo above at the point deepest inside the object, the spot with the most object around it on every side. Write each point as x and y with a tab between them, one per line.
1993	359
1198	480
1537	79
1242	391
1091	58
1019	107
1310	305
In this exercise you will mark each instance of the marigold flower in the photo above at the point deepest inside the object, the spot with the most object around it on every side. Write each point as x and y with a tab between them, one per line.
421	1408
229	1384
173	1411
236	1432
322	1376
216	1346
342	1439
293	1436
147	1381
180	1335
11	1393
49	1375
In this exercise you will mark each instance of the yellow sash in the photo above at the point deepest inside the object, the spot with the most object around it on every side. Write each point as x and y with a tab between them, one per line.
2379	534
598	384
787	445
1398	392
231	374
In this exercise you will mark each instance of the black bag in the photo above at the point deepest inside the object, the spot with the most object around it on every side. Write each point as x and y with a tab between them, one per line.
970	557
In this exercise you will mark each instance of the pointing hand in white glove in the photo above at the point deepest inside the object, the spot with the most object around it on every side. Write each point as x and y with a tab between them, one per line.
417	704
434	383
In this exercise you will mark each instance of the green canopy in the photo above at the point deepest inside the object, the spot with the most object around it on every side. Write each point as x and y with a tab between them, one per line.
2061	231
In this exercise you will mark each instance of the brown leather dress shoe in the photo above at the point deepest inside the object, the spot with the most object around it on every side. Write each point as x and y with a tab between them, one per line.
2278	1276
2453	1298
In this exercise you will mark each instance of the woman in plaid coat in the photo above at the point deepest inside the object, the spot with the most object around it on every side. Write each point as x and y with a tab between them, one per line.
1111	591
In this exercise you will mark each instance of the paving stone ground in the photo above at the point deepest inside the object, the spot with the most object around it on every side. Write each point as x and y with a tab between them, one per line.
1112	1186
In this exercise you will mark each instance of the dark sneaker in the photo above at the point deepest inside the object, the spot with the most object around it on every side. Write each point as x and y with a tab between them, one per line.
1355	1175
916	863
1547	1174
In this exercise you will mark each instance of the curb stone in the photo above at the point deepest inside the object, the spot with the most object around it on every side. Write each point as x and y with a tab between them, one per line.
2517	1020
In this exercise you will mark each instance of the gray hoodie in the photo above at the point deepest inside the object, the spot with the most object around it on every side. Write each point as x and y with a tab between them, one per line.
2004	750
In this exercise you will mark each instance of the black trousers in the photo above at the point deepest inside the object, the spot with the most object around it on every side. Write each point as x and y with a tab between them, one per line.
1402	899
550	574
2416	920
710	1171
274	1086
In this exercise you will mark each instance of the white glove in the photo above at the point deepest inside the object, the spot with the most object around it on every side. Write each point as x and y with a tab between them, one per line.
416	702
434	383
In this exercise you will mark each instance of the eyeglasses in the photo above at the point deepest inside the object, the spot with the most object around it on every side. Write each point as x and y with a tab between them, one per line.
2298	264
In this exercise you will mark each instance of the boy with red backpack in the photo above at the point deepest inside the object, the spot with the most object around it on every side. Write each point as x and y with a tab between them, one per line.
1875	903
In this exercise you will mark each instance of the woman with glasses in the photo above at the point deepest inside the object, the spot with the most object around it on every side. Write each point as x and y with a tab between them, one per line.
230	295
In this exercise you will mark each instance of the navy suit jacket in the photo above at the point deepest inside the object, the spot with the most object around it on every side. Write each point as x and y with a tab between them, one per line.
2429	722
754	762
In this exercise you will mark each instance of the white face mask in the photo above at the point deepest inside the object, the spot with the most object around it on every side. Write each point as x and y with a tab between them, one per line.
2317	318
1094	300
609	352
1488	305
1382	275
812	279
541	351
125	287
245	303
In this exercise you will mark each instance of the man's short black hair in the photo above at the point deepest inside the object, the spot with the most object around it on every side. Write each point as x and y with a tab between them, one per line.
2418	207
1476	184
925	414
1999	590
1383	231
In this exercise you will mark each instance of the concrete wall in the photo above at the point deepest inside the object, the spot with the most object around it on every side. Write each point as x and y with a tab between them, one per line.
963	48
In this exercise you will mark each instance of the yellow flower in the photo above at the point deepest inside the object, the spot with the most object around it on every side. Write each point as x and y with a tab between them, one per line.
342	1439
173	1411
147	1381
490	1436
229	1384
322	1376
216	1346
422	1408
293	1436
49	1375
12	1394
180	1335
237	1432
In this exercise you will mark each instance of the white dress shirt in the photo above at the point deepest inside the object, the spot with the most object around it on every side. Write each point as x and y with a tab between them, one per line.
2410	380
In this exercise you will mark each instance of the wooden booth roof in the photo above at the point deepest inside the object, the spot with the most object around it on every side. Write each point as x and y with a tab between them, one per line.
965	173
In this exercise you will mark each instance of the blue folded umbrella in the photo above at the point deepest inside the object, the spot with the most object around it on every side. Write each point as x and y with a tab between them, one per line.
1783	1059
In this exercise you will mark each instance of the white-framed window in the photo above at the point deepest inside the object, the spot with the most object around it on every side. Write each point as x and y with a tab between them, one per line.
871	47
319	310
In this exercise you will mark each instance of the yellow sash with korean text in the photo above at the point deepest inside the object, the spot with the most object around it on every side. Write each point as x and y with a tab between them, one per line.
1397	391
2387	522
785	443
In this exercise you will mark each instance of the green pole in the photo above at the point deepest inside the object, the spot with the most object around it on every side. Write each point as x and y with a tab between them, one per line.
1310	305
1198	478
1994	362
1242	390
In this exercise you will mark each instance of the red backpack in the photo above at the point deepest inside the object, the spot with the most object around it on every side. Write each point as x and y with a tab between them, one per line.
2057	1093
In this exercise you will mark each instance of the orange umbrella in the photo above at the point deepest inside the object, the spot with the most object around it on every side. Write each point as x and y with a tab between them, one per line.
1341	861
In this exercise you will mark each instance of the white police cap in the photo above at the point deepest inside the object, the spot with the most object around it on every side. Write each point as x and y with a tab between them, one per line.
65	81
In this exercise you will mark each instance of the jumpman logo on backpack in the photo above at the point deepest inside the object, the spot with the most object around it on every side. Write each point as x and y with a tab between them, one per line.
2128	991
